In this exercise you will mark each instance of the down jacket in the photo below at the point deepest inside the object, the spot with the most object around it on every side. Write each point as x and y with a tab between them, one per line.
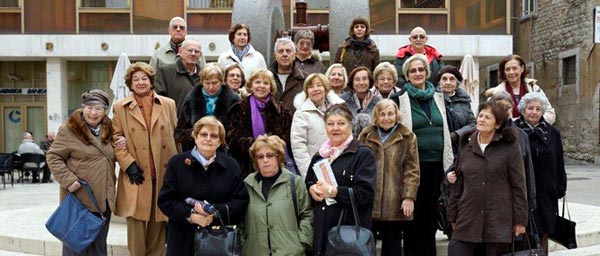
77	154
308	129
489	196
397	171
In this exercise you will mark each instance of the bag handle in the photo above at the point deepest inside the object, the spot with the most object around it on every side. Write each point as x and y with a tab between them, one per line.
354	210
534	230
513	243
565	205
88	189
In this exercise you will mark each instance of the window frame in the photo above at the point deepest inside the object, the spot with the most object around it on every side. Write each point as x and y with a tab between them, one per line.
528	9
561	66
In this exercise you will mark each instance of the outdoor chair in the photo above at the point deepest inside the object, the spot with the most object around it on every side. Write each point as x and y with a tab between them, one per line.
6	168
32	163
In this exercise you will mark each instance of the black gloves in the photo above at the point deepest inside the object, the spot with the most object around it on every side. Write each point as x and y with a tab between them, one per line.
135	173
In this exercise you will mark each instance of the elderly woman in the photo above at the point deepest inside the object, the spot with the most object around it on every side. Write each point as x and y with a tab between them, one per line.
548	161
386	77
488	205
308	125
83	150
212	98
458	102
395	148
424	112
203	174
305	59
235	79
353	166
358	49
241	51
143	170
290	229
258	114
359	98
513	75
338	77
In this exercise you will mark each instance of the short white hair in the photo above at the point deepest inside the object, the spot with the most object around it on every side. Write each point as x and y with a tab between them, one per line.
284	40
177	19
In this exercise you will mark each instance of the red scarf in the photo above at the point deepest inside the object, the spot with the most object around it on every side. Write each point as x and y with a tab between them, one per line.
522	92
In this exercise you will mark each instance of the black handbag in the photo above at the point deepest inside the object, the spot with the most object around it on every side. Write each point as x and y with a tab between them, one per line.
527	252
350	240
73	224
564	229
219	240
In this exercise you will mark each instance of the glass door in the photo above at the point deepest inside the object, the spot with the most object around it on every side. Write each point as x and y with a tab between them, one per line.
18	118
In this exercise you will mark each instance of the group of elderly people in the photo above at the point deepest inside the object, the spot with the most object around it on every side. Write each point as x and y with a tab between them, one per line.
235	145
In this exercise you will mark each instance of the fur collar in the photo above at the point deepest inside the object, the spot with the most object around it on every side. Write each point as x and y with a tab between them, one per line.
505	133
300	100
77	124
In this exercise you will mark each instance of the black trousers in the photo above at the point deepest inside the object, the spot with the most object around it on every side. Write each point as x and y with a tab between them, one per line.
390	234
419	235
461	248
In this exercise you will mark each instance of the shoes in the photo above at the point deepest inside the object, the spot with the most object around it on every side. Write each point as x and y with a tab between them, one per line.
46	180
35	181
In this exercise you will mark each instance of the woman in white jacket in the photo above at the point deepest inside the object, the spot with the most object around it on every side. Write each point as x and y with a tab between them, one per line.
308	125
241	51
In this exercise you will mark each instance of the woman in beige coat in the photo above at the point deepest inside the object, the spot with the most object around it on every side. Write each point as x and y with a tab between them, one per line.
147	121
82	149
395	149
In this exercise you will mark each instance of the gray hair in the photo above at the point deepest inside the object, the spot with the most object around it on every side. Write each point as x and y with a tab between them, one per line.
190	39
284	40
533	96
177	19
344	72
416	57
501	95
361	120
304	34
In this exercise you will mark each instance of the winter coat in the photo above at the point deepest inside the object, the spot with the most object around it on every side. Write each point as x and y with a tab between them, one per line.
308	129
523	140
550	174
549	115
355	168
403	101
271	225
293	85
460	105
194	108
348	97
310	65
77	154
397	171
174	81
166	55
251	61
489	196
433	56
142	148
240	137
352	58
221	184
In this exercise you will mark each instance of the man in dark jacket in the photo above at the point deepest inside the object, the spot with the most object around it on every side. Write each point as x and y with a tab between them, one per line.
418	44
167	53
289	79
177	80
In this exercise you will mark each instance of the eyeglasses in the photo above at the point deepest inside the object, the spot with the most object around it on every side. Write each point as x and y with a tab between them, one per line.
268	156
418	37
182	27
212	136
415	70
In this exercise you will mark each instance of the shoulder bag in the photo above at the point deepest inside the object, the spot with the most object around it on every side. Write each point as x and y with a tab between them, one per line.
73	224
219	240
350	240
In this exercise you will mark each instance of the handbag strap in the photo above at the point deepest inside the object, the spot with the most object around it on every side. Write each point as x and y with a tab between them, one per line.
354	210
565	205
294	198
228	220
88	189
513	243
534	230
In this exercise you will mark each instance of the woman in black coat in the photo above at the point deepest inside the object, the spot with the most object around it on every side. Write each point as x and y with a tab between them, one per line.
548	161
204	174
212	98
353	165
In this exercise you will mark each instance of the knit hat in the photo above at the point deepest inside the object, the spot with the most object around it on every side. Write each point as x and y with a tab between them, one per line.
452	70
95	96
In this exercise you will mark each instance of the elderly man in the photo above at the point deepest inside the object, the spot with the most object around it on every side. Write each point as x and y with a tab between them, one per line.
45	146
288	77
166	54
418	44
176	80
28	145
305	59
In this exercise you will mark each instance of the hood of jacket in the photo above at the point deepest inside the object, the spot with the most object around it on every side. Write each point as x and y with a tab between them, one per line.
300	102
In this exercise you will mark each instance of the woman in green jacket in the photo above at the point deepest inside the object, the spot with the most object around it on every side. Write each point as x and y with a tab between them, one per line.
277	222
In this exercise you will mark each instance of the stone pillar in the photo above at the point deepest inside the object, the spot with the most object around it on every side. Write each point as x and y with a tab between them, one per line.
57	94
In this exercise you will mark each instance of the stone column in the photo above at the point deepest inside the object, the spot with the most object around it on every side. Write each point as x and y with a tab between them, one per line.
57	94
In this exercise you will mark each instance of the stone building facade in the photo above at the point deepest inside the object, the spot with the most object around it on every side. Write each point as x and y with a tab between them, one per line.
556	40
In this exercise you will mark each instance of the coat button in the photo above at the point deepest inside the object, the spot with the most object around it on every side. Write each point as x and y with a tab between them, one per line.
164	146
132	129
323	208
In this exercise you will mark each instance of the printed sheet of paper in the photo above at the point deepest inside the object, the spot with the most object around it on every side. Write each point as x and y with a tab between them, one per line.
324	173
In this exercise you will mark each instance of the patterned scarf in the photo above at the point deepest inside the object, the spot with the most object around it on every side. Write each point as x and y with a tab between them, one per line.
256	106
238	53
330	152
365	102
542	128
211	101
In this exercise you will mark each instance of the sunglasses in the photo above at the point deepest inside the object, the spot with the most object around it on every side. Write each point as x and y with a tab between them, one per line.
418	37
267	156
182	27
415	70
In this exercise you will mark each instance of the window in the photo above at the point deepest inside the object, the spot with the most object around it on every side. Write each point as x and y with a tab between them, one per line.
9	3
104	3
527	8
569	70
568	76
492	80
422	4
203	4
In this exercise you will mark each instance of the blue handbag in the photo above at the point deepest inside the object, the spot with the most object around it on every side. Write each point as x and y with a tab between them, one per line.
73	224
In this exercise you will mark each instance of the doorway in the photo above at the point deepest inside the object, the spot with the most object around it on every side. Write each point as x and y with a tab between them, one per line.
18	118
